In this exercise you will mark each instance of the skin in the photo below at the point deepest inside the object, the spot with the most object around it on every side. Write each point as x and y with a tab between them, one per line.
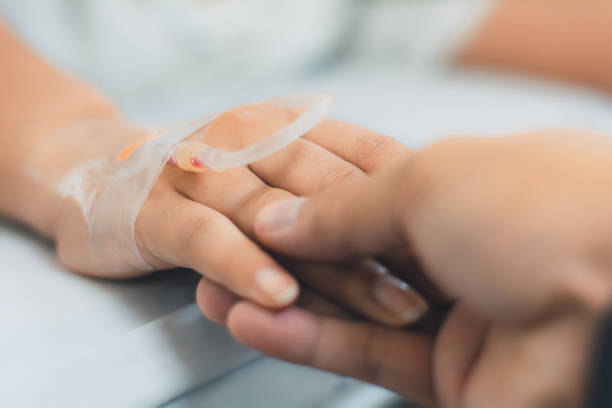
52	122
512	232
492	223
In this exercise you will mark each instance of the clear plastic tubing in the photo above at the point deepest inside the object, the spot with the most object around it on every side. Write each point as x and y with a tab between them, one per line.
317	105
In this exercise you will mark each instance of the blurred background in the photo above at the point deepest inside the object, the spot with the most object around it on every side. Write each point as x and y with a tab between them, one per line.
389	64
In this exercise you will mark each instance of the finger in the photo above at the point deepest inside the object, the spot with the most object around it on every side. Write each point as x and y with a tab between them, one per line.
214	300
390	301
366	287
359	218
407	268
313	302
304	168
366	149
186	233
394	359
462	338
237	193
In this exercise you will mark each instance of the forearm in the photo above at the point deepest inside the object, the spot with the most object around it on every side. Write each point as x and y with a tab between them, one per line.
567	39
36	100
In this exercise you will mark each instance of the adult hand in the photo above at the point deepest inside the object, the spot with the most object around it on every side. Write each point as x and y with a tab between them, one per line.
514	230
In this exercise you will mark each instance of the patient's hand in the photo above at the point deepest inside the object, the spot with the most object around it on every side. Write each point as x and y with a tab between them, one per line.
205	220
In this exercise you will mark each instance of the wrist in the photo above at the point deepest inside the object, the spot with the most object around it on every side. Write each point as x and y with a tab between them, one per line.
36	101
80	145
36	156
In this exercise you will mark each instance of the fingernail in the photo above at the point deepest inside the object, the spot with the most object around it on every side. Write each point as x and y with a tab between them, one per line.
399	298
280	214
277	285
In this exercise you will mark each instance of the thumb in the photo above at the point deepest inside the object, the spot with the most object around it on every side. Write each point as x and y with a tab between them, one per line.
360	217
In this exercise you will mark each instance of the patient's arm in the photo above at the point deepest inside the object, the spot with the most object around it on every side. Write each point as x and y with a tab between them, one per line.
568	39
35	100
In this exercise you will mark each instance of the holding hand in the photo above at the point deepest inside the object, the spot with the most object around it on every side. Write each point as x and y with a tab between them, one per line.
515	231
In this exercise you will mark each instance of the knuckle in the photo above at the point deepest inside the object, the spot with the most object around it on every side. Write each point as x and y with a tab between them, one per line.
372	147
300	148
280	163
338	175
263	195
